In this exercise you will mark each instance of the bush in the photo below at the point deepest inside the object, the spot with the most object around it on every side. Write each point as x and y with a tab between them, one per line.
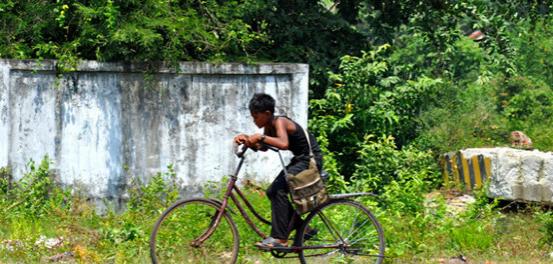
469	118
546	219
532	45
369	97
149	198
5	180
402	177
36	194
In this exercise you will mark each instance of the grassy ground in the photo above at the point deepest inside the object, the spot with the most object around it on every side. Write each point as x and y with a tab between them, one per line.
42	223
494	236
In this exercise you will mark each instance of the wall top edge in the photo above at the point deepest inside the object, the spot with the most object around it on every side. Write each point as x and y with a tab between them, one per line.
183	67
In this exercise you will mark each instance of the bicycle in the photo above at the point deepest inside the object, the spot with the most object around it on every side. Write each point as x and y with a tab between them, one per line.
338	228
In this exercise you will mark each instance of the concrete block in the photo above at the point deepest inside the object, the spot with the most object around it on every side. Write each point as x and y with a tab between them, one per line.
514	174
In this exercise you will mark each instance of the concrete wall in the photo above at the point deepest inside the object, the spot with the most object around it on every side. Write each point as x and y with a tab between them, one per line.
107	122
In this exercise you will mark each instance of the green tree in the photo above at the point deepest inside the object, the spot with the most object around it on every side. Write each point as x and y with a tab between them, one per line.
144	31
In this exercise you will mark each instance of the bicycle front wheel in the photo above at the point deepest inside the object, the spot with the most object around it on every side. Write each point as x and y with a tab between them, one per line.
177	235
342	231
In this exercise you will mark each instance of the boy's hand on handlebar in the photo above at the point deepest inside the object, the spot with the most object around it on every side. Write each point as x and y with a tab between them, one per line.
252	141
245	140
255	138
241	139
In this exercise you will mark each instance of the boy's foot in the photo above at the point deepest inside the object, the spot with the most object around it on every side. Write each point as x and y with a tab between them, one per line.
310	232
271	243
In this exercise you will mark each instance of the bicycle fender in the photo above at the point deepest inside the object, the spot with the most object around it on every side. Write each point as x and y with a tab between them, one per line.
351	195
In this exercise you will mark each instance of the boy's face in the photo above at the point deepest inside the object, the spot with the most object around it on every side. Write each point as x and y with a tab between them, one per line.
261	119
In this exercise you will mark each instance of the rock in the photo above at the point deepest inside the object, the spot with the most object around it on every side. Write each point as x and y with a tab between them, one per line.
61	257
11	245
454	260
49	243
455	203
459	204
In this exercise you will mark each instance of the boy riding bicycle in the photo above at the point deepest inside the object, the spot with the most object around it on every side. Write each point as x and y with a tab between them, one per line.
283	133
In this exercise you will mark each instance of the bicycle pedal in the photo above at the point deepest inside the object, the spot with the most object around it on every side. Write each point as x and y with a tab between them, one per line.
282	249
278	249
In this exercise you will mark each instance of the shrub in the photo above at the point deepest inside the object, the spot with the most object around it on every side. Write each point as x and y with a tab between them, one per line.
151	197
532	45
36	193
5	180
546	219
369	97
400	176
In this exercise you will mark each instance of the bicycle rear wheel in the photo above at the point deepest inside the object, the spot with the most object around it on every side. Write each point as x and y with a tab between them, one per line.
174	237
345	231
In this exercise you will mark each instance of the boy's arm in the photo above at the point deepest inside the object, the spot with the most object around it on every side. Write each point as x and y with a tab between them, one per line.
280	140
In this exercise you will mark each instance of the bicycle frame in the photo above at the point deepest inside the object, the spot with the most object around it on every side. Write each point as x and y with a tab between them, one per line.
231	186
233	192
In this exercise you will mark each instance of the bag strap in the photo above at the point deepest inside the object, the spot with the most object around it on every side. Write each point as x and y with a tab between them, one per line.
308	143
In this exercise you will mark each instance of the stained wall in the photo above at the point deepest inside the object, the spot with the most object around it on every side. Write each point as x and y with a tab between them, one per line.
108	123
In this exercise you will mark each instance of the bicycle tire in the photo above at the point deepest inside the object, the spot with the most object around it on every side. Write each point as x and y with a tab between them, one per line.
183	222
346	223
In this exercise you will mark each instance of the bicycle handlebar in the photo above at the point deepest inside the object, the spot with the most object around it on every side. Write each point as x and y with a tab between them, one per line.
240	149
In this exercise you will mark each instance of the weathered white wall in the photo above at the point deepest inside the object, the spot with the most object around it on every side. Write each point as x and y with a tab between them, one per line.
104	124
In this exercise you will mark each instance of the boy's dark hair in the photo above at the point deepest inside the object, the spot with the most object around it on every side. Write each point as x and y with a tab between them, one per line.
261	102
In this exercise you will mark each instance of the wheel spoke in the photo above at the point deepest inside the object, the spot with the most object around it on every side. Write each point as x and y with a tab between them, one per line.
356	231
182	235
331	227
352	225
346	230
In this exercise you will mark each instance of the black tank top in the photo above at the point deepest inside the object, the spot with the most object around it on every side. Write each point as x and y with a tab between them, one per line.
297	143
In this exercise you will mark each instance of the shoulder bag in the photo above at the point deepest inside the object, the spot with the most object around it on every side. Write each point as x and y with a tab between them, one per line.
307	189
